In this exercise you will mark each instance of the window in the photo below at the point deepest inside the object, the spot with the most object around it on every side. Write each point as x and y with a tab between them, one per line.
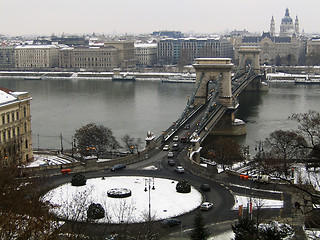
17	116
4	136
8	118
9	134
3	120
12	116
25	127
26	144
24	112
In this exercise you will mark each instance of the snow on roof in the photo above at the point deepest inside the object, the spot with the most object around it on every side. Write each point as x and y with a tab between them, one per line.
36	46
145	45
6	97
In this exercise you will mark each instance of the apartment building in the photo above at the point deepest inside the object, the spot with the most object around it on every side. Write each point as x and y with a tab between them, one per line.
7	57
175	50
145	54
36	56
15	128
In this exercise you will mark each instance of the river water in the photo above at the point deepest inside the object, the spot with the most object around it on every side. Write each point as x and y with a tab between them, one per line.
62	106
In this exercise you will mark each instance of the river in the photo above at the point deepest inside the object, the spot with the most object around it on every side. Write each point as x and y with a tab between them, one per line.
62	106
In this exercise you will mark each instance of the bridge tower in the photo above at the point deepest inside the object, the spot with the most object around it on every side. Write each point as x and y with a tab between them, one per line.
217	70
249	55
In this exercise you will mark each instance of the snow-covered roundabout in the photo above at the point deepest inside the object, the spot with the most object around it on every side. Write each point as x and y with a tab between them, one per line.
157	193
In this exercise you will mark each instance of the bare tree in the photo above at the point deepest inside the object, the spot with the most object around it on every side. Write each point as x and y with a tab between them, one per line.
131	144
22	213
224	151
285	147
94	139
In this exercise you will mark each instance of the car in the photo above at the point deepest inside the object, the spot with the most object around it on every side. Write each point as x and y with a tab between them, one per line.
206	206
166	148
179	169
175	138
175	147
117	167
187	126
170	155
170	222
183	139
171	162
205	187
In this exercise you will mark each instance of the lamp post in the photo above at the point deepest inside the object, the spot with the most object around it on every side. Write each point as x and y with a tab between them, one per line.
148	182
259	148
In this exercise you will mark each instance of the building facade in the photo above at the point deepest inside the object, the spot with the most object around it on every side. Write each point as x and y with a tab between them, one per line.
275	50
125	53
15	128
145	54
36	56
89	58
186	50
7	59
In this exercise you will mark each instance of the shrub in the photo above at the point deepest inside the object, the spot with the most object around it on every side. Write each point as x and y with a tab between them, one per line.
183	186
95	211
78	180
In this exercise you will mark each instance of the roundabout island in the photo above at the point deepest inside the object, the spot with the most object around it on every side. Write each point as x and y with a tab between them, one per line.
125	199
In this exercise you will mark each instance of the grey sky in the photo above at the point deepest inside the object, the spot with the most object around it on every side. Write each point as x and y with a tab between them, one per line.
23	17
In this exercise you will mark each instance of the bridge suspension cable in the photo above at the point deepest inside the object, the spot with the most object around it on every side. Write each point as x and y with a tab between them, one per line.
190	102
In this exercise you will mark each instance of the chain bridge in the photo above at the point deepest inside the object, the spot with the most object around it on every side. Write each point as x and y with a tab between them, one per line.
211	108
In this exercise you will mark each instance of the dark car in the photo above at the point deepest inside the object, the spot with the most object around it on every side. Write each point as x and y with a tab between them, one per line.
183	139
205	187
187	126
171	162
170	222
117	167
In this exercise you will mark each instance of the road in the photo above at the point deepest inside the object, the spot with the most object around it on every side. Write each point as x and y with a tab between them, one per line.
217	219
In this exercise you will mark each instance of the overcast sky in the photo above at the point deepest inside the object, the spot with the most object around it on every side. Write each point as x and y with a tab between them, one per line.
44	17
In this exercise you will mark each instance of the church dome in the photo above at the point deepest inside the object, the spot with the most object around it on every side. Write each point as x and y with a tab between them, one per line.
287	19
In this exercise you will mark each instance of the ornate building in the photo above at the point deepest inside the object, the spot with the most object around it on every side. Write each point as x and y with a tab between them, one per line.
283	49
15	128
287	28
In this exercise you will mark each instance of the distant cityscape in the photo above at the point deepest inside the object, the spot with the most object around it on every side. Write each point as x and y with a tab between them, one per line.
288	47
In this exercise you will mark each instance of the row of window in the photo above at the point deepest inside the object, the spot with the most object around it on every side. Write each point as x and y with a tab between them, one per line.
11	133
93	59
13	116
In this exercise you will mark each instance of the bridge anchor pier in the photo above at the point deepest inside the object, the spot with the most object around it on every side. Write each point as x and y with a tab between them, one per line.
229	126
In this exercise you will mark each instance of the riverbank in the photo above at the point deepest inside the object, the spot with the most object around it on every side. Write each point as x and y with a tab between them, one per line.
42	75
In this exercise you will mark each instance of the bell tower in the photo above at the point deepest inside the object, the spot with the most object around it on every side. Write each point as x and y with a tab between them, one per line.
272	27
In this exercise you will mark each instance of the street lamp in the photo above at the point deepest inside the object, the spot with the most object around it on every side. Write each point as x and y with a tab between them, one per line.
259	148
148	182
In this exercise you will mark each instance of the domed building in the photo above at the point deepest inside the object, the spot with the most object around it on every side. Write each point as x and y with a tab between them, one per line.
287	28
276	49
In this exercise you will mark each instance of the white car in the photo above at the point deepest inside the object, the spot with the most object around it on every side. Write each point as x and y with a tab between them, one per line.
175	138
170	155
166	148
179	169
206	206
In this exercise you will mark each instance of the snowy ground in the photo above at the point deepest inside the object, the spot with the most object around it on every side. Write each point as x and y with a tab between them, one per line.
45	160
165	201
